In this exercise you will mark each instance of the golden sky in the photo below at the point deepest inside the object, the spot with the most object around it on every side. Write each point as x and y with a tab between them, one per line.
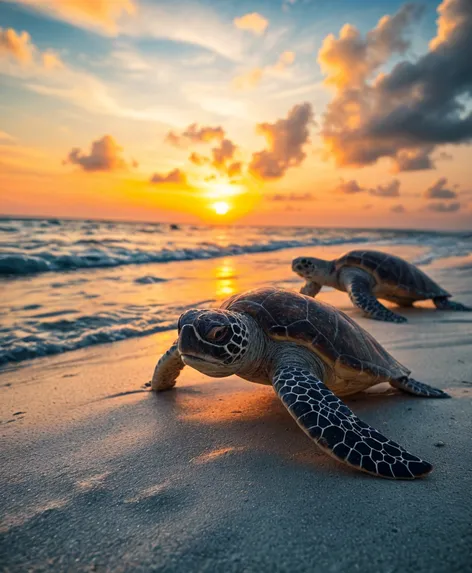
290	112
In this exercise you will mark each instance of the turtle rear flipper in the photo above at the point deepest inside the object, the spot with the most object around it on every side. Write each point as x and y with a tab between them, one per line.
412	386
167	369
336	430
443	303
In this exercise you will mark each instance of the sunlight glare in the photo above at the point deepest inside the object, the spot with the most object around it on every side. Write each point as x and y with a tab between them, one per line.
221	207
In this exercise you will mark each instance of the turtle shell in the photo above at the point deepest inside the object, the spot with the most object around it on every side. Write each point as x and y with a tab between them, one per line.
404	278
341	343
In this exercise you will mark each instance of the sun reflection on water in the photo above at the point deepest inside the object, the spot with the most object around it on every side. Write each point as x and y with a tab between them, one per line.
225	278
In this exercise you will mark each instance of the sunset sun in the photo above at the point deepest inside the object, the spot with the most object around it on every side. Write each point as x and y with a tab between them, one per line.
221	207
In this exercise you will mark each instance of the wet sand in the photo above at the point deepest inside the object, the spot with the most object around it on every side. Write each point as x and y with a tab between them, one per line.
98	474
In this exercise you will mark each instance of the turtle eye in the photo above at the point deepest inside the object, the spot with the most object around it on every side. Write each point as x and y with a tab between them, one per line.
217	333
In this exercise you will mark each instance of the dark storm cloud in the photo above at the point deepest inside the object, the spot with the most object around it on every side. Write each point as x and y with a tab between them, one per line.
406	113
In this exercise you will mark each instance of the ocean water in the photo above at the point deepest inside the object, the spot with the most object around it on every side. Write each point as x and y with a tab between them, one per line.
71	284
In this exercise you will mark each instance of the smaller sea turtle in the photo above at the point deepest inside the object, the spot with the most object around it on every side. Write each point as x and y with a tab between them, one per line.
369	275
311	353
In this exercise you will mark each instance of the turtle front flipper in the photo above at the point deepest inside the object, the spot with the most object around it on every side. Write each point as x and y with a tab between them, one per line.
336	430
443	303
310	289
412	386
167	369
359	289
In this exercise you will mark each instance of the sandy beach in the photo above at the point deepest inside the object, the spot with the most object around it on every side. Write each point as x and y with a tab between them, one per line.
99	474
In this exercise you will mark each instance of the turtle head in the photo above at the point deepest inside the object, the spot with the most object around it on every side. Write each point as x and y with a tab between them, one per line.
312	269
213	342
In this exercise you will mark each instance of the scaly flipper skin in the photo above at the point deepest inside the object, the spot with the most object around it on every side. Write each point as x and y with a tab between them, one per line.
412	386
310	289
443	303
167	369
360	293
335	429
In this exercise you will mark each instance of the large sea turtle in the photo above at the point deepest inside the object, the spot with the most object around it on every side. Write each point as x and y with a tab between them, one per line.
311	353
369	275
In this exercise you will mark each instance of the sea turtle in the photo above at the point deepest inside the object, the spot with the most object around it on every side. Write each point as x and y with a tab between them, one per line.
311	353
369	275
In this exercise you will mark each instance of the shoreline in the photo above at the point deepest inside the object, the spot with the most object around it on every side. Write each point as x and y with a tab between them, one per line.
180	285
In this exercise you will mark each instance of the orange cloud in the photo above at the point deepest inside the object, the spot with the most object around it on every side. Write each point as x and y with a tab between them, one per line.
195	134
16	45
248	79
101	14
252	22
105	155
174	176
224	152
51	60
286	139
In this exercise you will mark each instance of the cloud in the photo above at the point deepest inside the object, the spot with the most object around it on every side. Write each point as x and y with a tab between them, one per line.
397	209
223	152
285	139
253	77
352	187
196	24
221	156
51	60
440	191
349	187
391	189
253	22
195	134
444	207
16	45
101	15
235	169
292	197
174	176
19	47
199	25
413	159
105	155
406	113
198	159
248	79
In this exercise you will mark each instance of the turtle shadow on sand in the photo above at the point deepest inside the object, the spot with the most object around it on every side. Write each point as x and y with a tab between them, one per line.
253	420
